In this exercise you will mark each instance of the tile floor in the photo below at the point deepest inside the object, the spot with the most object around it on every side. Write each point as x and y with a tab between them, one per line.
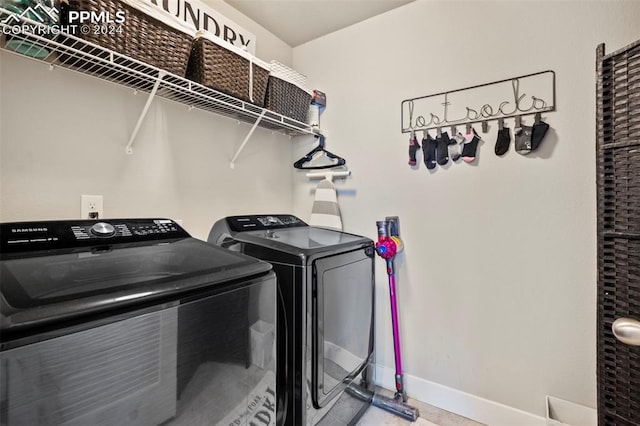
429	416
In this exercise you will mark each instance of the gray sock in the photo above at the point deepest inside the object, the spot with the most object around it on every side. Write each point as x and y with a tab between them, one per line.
523	139
455	149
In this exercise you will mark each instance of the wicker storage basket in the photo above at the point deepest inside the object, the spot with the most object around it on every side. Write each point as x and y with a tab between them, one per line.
149	35
228	69
285	93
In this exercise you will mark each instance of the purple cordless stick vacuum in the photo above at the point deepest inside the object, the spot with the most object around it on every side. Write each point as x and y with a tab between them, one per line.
388	245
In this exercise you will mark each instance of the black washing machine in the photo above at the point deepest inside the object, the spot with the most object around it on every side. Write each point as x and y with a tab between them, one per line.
132	321
325	316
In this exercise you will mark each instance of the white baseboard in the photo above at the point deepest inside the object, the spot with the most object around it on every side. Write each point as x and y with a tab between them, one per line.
562	412
458	402
341	356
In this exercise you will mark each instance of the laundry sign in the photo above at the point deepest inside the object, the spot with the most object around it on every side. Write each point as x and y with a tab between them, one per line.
203	17
259	409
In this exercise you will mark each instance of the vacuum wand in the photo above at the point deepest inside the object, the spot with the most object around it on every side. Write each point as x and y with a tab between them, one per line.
400	391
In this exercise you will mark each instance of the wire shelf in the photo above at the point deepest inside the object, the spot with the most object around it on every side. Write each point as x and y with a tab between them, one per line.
72	53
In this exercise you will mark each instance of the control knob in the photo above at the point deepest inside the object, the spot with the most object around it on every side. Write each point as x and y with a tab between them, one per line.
103	229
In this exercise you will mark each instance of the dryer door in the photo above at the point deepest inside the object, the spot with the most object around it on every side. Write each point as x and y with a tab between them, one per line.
342	322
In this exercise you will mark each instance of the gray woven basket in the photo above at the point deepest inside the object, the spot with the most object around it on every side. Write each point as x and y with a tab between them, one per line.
143	38
287	99
221	69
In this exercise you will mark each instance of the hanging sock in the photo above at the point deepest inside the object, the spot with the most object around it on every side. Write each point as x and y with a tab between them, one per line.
523	139
414	146
429	147
503	141
470	146
443	143
455	148
537	134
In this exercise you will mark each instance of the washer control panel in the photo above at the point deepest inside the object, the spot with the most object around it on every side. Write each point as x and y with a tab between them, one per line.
263	222
49	235
126	229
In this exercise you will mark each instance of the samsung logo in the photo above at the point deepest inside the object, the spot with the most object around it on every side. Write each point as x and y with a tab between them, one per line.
20	230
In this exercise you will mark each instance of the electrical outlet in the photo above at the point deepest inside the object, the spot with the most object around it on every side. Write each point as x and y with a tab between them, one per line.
91	207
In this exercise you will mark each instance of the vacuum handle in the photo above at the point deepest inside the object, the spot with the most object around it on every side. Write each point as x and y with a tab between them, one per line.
383	229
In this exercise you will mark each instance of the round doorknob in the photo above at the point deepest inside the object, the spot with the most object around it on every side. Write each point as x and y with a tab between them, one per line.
627	330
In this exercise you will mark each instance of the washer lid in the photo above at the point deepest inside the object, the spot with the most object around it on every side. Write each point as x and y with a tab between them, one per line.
301	239
47	286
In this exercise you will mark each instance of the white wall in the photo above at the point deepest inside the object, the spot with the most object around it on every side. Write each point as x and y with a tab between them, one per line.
497	284
63	134
268	46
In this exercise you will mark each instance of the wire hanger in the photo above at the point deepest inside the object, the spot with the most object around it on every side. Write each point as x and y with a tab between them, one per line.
300	164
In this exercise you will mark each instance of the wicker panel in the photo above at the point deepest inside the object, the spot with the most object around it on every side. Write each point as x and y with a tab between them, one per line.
620	193
143	38
221	69
618	177
619	364
287	99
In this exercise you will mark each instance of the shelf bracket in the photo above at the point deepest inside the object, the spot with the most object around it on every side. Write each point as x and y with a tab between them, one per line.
253	128
129	148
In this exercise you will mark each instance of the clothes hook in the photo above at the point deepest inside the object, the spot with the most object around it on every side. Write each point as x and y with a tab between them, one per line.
500	123
537	118
485	127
